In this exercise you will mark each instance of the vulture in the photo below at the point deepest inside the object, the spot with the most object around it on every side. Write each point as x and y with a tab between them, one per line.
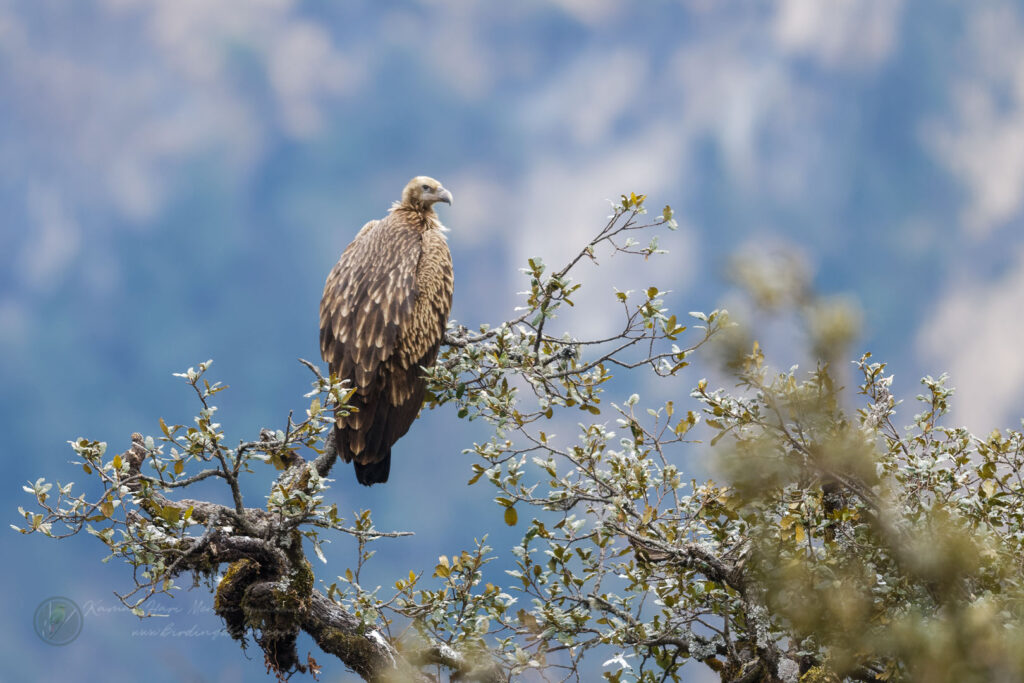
383	314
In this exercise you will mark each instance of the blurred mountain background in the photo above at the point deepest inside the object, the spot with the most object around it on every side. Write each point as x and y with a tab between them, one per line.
178	176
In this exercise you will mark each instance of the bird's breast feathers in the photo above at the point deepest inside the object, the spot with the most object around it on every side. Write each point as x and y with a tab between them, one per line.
390	291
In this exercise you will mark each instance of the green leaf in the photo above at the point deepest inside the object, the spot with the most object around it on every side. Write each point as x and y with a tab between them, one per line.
685	425
171	514
511	517
478	472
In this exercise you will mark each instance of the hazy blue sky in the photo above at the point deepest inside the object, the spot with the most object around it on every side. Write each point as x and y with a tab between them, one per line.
178	176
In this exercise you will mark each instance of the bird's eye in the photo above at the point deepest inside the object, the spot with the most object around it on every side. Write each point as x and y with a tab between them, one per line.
426	188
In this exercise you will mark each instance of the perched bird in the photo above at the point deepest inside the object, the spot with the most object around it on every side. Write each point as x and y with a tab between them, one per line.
382	317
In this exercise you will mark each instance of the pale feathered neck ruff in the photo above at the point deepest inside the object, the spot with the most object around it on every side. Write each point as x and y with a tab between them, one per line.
425	218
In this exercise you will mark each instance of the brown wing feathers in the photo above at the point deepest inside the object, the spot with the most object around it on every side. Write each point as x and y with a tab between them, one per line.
382	316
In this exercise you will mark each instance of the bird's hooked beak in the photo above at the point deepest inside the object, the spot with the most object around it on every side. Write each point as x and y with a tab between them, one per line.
445	196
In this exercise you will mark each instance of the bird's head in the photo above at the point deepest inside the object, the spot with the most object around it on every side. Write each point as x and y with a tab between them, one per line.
422	192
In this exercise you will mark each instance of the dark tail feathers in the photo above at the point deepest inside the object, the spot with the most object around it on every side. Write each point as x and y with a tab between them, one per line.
374	472
370	473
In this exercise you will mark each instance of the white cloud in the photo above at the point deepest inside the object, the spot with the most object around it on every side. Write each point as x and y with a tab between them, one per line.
839	33
559	205
170	95
111	129
565	210
303	65
974	333
453	37
480	207
14	322
459	55
585	101
982	141
590	11
54	238
765	123
302	61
